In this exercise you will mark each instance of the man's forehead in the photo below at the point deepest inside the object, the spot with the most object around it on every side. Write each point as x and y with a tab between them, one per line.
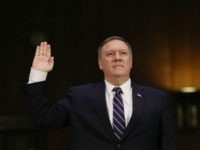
115	43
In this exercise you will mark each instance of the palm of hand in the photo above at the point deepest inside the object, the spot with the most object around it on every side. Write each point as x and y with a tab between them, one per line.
43	63
43	60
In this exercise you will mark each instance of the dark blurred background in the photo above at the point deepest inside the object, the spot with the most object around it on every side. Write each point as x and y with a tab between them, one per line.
166	42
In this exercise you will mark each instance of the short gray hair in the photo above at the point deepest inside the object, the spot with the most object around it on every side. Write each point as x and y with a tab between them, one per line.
110	39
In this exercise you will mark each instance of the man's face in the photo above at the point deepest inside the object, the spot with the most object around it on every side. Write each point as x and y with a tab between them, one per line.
115	60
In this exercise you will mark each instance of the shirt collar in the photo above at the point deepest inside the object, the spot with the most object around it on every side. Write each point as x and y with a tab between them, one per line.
125	86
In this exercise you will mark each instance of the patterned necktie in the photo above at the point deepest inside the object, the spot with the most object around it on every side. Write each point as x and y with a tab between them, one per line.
118	114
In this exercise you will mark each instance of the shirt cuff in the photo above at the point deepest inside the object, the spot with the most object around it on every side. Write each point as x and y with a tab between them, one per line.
37	76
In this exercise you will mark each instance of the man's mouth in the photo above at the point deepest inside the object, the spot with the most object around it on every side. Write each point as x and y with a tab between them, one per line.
117	66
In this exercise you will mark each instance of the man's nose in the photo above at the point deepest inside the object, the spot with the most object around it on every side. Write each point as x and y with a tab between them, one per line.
117	56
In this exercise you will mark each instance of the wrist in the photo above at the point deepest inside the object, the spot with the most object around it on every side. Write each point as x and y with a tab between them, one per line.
37	75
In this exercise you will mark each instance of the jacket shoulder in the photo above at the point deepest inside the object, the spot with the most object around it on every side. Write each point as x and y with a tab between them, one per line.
88	86
149	89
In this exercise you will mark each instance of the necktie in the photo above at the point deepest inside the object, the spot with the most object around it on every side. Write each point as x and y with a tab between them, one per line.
118	114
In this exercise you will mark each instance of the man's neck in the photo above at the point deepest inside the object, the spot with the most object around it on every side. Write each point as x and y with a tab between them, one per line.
117	81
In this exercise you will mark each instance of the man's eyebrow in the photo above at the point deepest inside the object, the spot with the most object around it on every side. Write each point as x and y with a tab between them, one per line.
119	50
110	50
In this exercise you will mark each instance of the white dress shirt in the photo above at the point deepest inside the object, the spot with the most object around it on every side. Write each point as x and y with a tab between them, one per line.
37	76
127	97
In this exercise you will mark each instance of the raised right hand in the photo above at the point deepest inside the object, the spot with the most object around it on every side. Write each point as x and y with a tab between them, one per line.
43	60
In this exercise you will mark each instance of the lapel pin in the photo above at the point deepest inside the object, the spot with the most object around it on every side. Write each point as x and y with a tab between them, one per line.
139	95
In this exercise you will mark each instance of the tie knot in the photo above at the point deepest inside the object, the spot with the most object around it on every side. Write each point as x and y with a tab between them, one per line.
118	90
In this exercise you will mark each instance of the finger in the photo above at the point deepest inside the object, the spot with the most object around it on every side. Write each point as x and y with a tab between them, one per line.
41	49
48	50
45	47
37	51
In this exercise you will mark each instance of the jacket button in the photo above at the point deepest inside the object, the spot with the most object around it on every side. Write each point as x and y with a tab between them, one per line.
118	145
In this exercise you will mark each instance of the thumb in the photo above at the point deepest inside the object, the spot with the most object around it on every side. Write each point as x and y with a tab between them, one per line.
51	59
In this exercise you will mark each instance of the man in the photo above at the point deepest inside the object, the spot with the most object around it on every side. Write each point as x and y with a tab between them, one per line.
113	114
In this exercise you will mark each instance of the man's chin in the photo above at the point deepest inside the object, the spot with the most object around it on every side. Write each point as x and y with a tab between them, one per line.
119	74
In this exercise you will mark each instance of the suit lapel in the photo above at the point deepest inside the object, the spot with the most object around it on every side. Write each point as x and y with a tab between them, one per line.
138	101
101	108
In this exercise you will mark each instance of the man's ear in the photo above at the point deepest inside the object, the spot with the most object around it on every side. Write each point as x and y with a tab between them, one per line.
100	63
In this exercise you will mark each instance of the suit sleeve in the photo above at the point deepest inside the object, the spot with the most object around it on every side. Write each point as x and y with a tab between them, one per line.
43	113
168	137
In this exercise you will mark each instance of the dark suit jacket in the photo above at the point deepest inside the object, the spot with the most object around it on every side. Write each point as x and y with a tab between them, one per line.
84	109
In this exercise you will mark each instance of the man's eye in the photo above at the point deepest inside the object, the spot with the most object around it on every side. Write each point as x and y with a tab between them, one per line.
124	53
109	54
